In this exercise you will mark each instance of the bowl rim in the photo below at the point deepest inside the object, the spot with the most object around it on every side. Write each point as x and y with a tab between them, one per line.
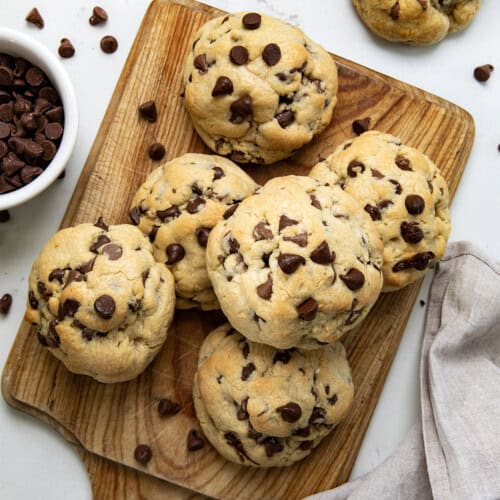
39	55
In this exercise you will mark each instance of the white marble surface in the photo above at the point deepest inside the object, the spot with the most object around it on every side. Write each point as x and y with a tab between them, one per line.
35	462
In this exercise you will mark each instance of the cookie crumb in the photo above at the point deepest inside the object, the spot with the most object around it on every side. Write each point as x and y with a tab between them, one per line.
483	73
5	303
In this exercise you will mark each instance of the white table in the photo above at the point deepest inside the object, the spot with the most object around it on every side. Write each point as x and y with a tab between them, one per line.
35	461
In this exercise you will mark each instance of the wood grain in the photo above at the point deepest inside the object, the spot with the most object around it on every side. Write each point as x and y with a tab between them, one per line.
109	420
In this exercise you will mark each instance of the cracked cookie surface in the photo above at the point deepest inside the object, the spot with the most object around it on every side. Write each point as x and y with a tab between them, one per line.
417	22
177	207
257	88
99	301
298	264
405	195
262	407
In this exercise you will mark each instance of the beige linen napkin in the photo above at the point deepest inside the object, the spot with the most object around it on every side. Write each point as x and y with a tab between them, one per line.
454	453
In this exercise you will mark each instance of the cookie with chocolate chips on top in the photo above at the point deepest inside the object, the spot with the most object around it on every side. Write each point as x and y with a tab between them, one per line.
405	195
99	301
177	207
298	264
416	22
257	88
262	407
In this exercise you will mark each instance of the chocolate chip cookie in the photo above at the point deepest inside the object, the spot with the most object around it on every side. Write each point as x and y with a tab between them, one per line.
416	22
405	195
178	206
265	408
99	301
257	88
298	264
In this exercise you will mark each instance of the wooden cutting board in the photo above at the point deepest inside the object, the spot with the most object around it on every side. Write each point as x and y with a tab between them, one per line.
110	420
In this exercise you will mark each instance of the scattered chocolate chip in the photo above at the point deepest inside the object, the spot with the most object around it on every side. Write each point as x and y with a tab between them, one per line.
322	254
175	253
272	446
218	173
230	211
112	251
373	211
5	303
109	44
354	168
105	306
135	216
238	55
169	213
353	279
290	262
4	216
194	206
251	21
99	16
34	17
411	232
422	303
32	300
246	371
285	118
361	125
282	356
403	163
302	432
202	234
223	86
102	239
143	454
308	309
271	54
394	13
200	63
101	224
240	109
265	290
483	73
318	416
262	232
147	110
285	222
168	407
415	204
195	441
290	412
156	151
66	49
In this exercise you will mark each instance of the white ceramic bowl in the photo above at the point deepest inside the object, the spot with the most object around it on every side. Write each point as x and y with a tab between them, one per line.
17	44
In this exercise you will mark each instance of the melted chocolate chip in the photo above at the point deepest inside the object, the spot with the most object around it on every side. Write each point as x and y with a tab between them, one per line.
308	309
112	251
175	253
353	279
306	445
403	163
105	306
240	109
318	415
153	233
354	168
86	267
33	302
135	216
373	211
265	290
397	186
262	232
282	356
285	222
290	262
315	202
290	412
57	274
419	261
333	399
234	441
194	206
377	173
101	240
230	211
394	12
411	232
242	413
218	173
272	446
303	432
322	255
169	213
52	339
202	234
415	204
246	371
234	245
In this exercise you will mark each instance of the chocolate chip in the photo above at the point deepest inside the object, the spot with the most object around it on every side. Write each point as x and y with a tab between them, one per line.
265	290
285	118
238	55
112	251
109	44
361	125
234	245
234	441
4	130
6	110
240	109
194	206
105	306
175	253
43	291
52	339
54	131
302	432
306	445
290	412
397	186
73	275
135	216
353	279
308	309
168	407
102	239
419	261
194	440
223	86
5	303
143	454
145	276
35	76
315	202
99	16
286	222
262	232
422	303
57	274
70	307
354	168
394	13
101	224
383	204
322	254
282	356
29	173
147	110
242	413
156	151
246	371
218	173
415	204
251	21
34	17
265	258
411	232
272	446
66	49
200	63
271	54
300	239
55	114
373	211
290	262
169	213
4	216
318	415
32	300
403	163
87	266
202	234
333	399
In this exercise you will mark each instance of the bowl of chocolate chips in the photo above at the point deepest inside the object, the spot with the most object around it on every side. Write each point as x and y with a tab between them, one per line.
38	118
